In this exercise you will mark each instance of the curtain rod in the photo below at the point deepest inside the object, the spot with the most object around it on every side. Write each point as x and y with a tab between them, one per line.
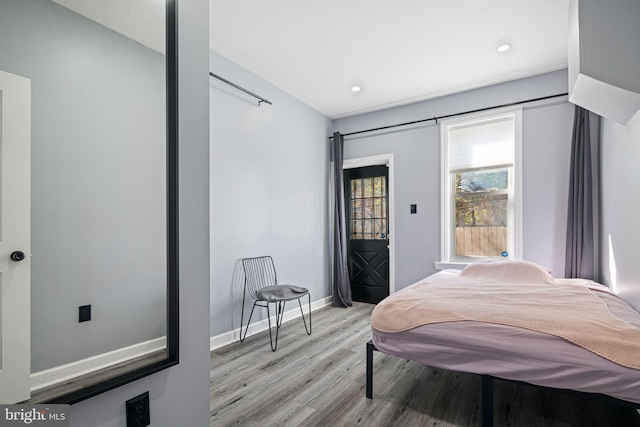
455	114
241	88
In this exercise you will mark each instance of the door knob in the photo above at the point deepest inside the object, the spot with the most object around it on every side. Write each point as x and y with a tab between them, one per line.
17	256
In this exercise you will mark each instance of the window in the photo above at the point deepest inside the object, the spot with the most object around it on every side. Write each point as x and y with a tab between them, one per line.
481	181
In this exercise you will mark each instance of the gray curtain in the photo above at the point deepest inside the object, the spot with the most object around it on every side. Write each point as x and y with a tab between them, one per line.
582	221
341	284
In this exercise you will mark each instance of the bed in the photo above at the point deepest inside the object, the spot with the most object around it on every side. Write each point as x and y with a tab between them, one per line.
512	320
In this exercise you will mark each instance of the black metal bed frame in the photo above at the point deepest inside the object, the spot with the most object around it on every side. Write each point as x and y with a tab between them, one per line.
487	390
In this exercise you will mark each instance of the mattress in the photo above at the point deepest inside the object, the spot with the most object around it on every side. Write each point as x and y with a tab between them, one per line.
518	354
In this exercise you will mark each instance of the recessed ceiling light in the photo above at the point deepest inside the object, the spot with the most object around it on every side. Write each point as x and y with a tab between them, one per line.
503	47
356	88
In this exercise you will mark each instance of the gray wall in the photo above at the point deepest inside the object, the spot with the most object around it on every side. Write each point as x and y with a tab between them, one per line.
180	395
602	26
620	234
546	148
98	162
269	175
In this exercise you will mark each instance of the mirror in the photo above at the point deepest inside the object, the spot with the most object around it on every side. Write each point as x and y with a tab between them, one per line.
103	189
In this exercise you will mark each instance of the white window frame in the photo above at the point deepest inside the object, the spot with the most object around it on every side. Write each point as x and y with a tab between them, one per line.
447	200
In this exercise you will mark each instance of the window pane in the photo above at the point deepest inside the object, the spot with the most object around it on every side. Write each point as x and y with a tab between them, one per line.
380	228
481	225
368	208
356	208
378	186
356	227
368	228
485	210
367	185
356	188
481	241
486	180
380	208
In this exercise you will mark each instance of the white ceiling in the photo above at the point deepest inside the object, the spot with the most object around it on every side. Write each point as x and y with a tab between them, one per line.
397	51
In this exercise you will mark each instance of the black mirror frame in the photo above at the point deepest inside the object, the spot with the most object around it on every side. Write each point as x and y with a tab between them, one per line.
172	302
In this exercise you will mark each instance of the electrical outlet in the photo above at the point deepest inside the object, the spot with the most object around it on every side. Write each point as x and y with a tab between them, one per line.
138	411
413	208
84	313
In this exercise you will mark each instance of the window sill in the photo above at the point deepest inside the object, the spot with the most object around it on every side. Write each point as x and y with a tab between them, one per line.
446	265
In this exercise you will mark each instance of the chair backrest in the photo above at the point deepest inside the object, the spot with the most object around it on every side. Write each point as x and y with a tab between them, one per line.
258	273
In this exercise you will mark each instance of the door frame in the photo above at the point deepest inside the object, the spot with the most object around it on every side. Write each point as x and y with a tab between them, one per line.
382	159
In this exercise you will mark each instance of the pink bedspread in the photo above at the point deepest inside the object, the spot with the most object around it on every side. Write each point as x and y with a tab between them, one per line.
519	294
518	354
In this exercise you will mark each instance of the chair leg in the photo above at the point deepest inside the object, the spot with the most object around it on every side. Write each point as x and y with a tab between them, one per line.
242	337
279	317
281	305
279	310
308	330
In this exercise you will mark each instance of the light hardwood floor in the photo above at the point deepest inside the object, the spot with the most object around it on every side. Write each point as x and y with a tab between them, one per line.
319	380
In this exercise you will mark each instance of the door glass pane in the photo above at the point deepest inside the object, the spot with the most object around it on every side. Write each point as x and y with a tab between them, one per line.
368	229
367	184
356	189
378	187
379	208
356	210
380	229
356	229
368	208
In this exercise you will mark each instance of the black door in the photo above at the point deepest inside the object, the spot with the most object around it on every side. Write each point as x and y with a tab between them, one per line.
366	197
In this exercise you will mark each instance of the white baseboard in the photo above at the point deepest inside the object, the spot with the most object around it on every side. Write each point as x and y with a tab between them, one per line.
61	373
234	335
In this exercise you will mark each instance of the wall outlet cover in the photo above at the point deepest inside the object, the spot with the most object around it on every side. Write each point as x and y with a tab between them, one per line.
84	313
138	411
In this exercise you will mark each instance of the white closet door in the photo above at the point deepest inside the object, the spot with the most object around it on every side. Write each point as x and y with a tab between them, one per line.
15	241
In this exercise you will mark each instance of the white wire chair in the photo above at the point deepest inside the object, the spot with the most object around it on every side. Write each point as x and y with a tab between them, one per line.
261	284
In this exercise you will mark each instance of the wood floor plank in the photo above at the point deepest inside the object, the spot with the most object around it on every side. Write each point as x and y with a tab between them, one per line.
319	380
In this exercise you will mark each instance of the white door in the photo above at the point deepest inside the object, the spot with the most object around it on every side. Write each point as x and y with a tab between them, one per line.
15	185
